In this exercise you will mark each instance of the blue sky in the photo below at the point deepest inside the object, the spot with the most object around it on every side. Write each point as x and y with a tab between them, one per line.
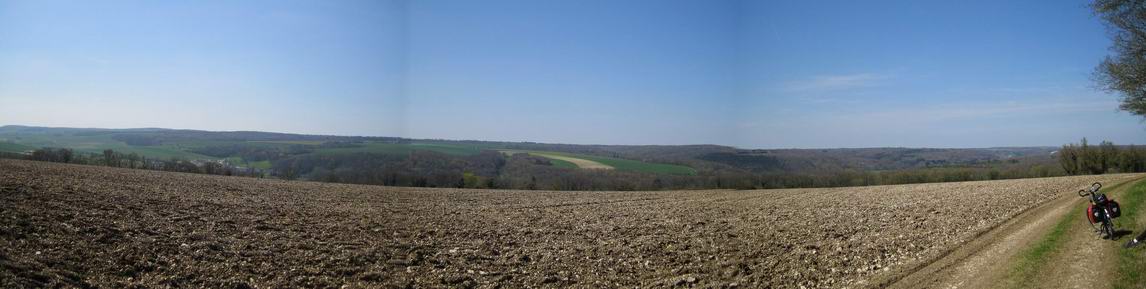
753	74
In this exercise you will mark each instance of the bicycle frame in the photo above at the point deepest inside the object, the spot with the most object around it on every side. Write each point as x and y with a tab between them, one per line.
1105	224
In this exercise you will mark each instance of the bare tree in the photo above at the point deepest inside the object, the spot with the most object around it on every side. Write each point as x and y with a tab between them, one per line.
109	157
1125	71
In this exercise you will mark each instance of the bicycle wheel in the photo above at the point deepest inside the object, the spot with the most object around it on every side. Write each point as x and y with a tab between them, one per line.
1107	229
1096	226
1095	222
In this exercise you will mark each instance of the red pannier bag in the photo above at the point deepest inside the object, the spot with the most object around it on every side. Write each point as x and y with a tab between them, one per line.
1114	208
1091	215
1111	205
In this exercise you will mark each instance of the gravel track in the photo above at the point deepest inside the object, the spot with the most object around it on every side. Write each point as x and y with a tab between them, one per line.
985	262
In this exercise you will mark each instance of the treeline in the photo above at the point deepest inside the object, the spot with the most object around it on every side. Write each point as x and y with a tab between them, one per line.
1085	159
486	170
494	170
250	152
113	158
908	176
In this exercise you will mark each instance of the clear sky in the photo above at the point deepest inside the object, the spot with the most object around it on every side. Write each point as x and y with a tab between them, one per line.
752	74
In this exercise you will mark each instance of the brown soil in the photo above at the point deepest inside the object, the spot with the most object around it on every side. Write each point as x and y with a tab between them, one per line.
68	225
982	262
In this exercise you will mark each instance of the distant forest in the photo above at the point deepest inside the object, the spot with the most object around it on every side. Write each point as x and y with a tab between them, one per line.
112	158
479	164
495	170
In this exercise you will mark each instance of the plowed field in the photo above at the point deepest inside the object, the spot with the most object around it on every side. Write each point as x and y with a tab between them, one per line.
92	226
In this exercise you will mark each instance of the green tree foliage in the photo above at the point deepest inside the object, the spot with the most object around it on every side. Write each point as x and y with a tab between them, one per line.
1083	159
1132	159
1125	71
492	169
1107	155
113	158
1069	156
109	158
52	155
470	180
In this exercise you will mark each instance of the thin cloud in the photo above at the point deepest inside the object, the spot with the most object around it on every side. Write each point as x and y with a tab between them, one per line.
953	124
971	111
840	82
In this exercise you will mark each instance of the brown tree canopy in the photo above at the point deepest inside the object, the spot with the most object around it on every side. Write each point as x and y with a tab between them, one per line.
1124	72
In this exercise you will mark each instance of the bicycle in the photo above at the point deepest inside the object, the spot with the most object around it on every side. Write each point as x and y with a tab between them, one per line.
1101	212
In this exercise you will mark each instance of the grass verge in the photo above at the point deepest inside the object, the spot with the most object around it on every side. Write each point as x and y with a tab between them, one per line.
1132	262
1031	261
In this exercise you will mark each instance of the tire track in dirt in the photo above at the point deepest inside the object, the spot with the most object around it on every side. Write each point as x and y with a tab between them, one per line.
1082	262
986	261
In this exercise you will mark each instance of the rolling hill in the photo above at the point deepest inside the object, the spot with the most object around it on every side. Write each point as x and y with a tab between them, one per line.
393	160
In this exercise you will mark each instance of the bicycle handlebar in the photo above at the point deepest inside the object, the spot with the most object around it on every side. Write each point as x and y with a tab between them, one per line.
1093	189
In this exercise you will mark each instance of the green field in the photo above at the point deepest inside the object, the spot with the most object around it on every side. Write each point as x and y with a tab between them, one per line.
95	144
555	162
392	148
14	148
562	164
618	164
237	161
290	142
636	166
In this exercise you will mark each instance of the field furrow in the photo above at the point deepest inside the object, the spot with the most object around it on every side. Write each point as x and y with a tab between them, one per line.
81	225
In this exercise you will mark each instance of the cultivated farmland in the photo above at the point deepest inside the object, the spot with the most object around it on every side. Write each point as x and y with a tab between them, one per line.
565	161
69	225
599	162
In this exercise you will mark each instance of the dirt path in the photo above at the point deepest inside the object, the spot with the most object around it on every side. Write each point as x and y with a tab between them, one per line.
990	260
1077	264
1084	259
977	263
